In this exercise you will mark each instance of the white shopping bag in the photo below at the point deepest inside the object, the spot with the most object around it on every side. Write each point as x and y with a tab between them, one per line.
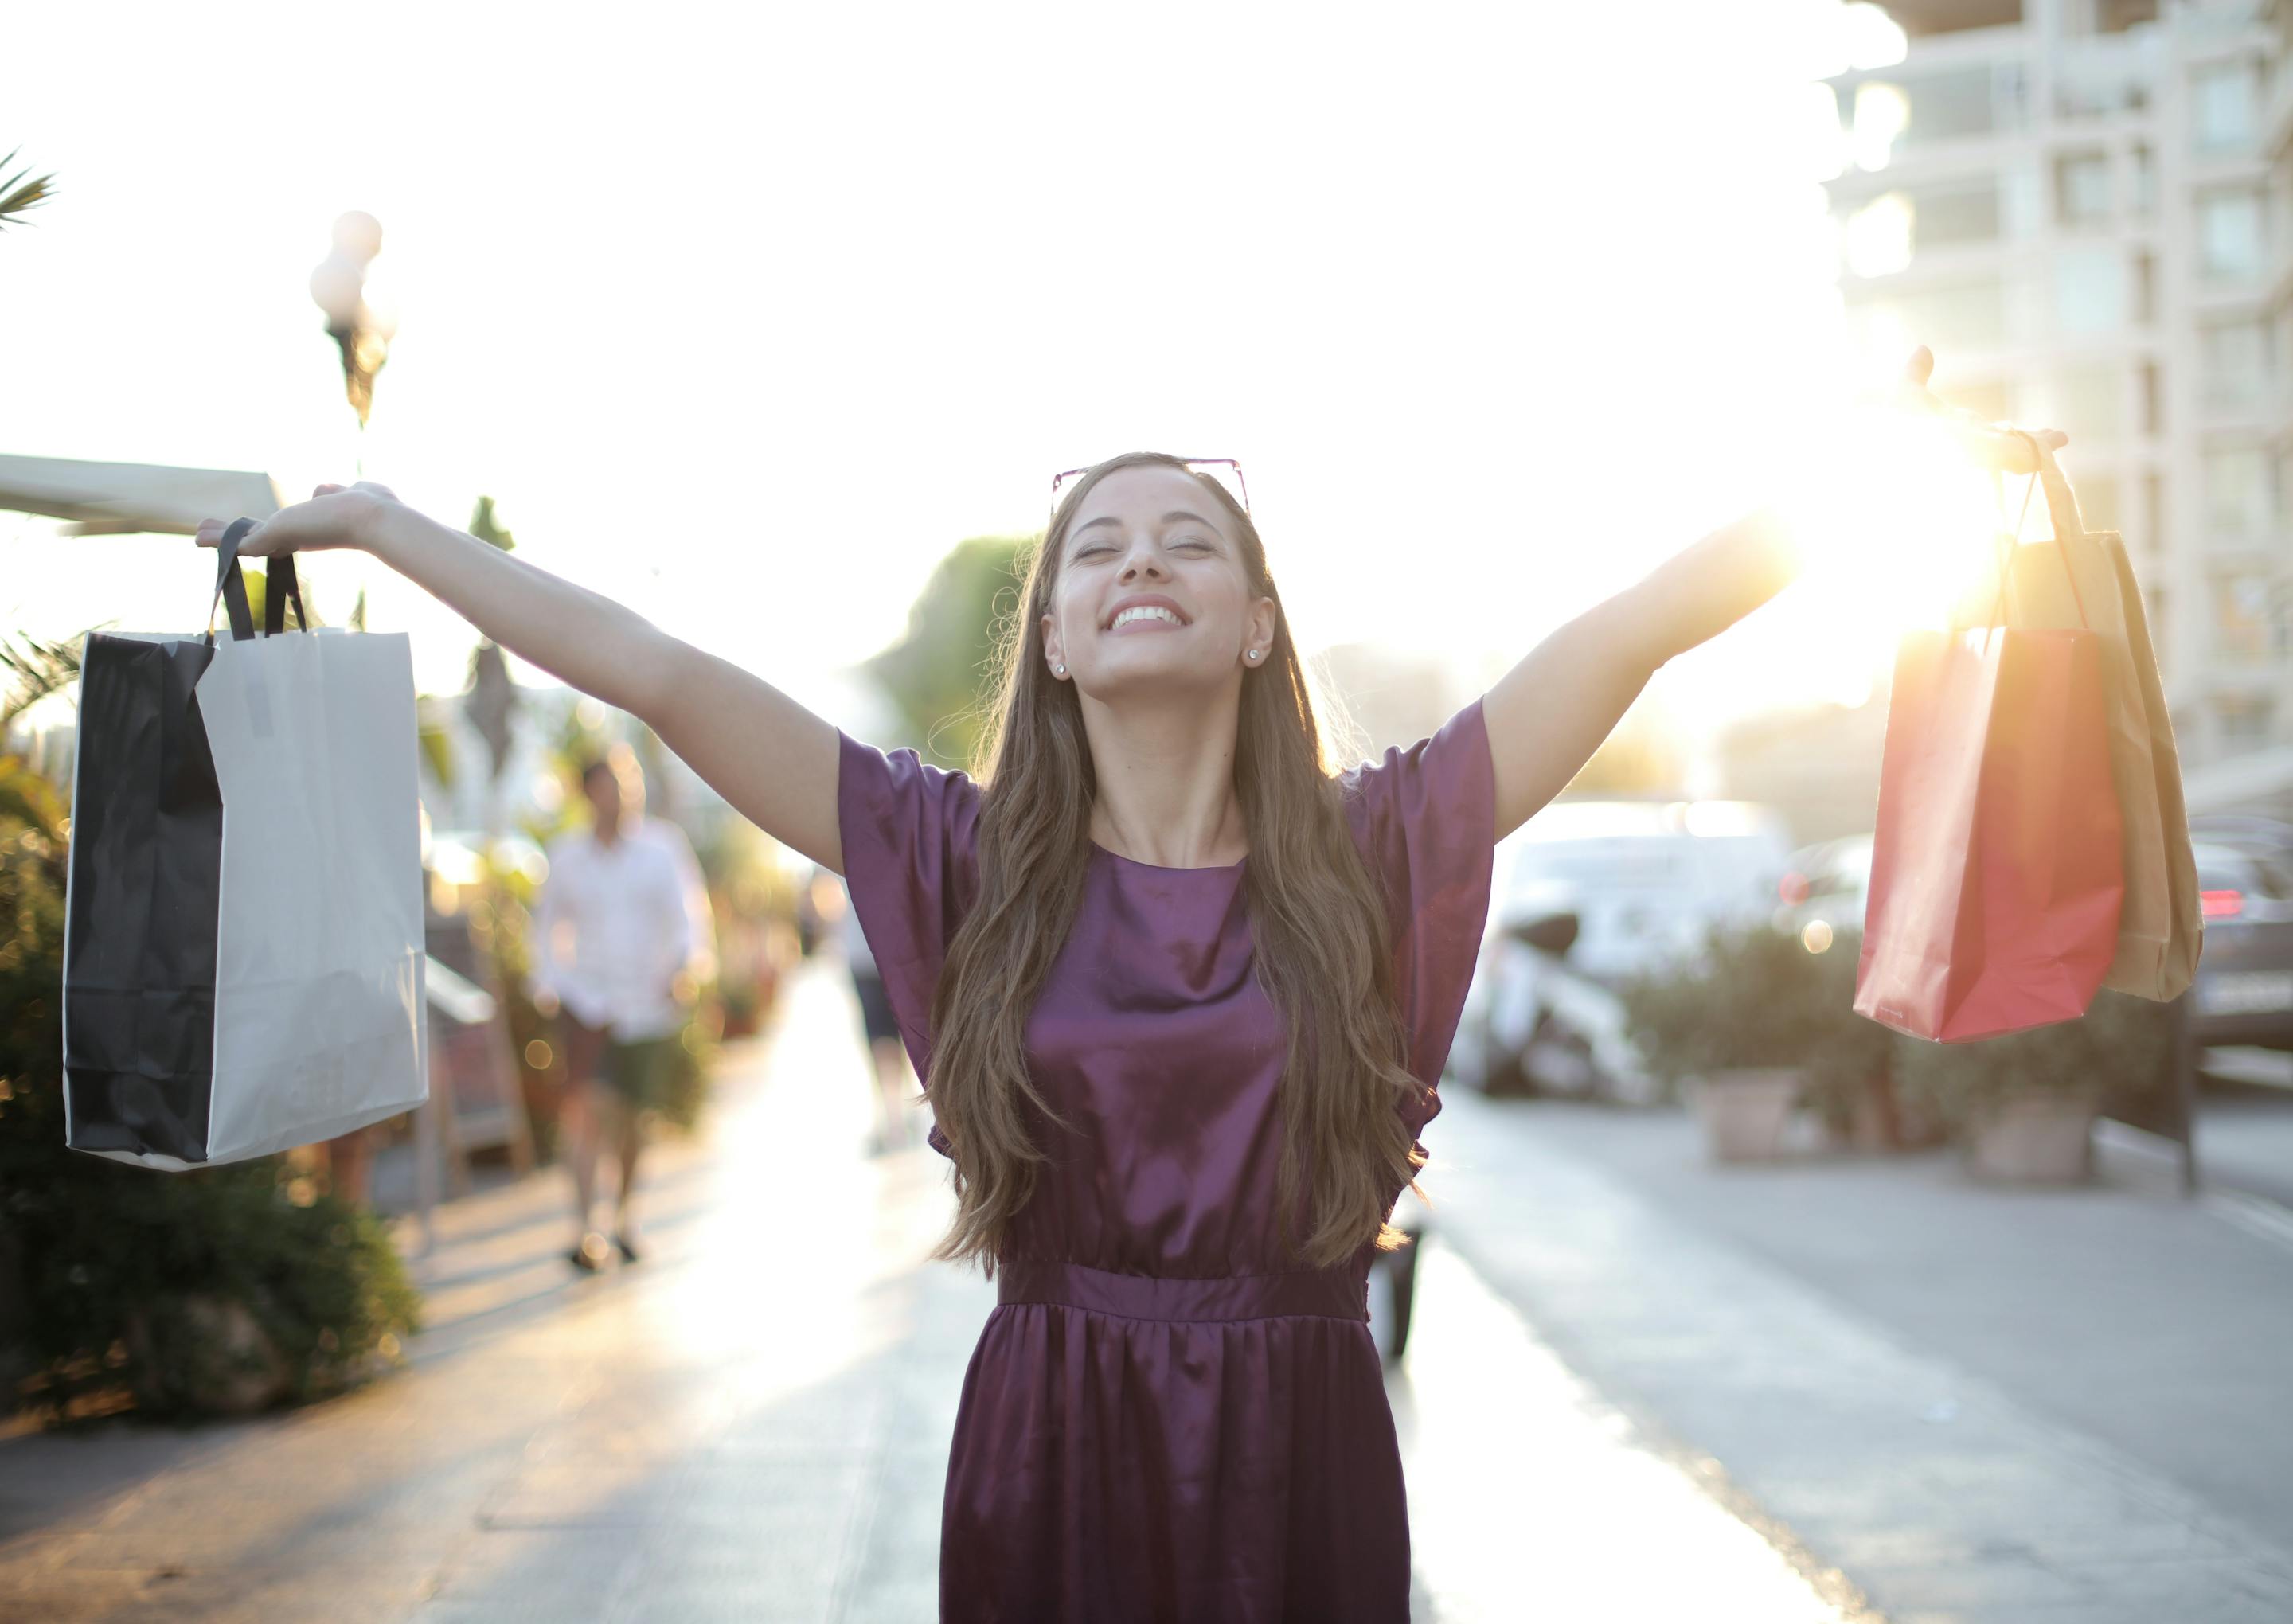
244	939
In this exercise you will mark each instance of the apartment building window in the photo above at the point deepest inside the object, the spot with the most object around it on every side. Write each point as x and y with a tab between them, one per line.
2091	289
1883	235
2241	631
2097	496
2232	238
1950	217
2154	515
2236	359
1968	316
2117	16
2145	175
2153	401
2086	402
2082	188
2240	504
2224	100
1939	106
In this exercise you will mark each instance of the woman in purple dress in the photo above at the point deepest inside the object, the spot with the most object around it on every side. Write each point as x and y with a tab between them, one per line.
1181	998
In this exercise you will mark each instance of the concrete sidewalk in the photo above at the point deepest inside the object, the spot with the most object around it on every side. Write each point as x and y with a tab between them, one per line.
1979	1404
753	1424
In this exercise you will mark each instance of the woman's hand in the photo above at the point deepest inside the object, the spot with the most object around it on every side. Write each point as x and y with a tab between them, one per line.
1989	444
335	516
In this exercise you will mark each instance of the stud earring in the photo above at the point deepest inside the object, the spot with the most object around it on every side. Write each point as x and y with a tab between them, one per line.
1058	670
1254	653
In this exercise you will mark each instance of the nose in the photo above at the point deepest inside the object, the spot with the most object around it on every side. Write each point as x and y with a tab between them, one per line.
1143	560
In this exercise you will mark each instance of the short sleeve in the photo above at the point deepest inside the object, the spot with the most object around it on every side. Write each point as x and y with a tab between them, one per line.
910	866
1425	819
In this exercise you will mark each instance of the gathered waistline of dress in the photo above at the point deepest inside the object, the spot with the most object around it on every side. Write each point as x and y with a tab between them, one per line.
1319	1293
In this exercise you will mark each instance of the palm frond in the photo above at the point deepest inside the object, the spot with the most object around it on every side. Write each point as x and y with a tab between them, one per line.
19	194
34	669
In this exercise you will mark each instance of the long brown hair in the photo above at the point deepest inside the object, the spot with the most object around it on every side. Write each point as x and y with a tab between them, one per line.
1317	923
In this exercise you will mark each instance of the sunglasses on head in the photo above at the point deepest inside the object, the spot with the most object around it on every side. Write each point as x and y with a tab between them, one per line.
1225	469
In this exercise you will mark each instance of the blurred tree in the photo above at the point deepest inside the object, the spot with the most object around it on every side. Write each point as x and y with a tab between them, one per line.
940	674
487	527
23	191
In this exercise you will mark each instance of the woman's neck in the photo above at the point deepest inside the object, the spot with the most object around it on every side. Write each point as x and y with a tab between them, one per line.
1166	783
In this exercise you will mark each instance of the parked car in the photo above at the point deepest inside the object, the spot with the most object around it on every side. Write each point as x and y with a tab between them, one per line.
1829	883
1585	896
2244	993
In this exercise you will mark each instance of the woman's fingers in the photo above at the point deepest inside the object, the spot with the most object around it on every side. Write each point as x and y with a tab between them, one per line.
2009	452
326	520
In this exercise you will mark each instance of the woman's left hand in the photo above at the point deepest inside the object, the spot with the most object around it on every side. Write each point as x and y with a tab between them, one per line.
1992	445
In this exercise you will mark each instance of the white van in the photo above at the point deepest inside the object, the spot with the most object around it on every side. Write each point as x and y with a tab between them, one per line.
1646	881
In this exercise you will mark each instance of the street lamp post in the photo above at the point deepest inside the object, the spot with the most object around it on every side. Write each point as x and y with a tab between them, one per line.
363	334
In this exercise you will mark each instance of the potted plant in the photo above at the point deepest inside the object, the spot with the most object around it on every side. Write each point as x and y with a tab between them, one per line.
1736	1024
1850	1061
2025	1103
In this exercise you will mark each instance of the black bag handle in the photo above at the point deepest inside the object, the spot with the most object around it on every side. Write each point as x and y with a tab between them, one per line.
231	590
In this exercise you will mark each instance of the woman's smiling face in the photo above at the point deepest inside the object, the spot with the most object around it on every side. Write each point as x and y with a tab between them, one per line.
1153	588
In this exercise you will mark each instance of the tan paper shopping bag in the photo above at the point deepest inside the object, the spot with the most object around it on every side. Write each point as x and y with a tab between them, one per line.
2160	927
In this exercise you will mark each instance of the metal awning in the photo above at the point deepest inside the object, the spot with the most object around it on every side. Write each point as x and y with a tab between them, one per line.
132	498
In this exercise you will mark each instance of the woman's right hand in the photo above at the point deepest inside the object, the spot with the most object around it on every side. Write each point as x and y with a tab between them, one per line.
335	516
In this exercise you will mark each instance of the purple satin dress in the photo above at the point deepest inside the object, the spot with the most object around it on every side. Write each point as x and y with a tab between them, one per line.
1162	1421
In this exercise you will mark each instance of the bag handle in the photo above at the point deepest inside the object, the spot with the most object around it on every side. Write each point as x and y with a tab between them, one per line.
231	590
2061	507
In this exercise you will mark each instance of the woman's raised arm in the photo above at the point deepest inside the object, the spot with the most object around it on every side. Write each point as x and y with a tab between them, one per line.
772	759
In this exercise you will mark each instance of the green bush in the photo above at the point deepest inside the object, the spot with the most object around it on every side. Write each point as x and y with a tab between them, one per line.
119	1281
1749	1000
2121	1048
1850	1053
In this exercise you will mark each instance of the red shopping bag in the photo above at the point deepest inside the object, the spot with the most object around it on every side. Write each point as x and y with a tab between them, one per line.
1997	871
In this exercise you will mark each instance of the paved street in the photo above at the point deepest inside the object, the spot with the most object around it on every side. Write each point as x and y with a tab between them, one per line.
753	1424
1987	1406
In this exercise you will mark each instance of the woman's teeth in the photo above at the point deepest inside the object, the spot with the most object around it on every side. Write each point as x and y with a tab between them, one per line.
1129	615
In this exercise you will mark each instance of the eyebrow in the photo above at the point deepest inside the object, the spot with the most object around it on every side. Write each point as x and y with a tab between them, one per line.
1174	516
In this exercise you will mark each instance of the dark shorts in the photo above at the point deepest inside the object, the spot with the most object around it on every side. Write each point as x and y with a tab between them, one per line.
876	1016
637	1072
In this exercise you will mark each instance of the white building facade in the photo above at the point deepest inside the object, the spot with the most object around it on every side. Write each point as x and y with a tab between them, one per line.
2081	205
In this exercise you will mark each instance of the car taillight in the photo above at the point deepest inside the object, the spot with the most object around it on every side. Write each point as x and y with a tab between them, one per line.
2221	904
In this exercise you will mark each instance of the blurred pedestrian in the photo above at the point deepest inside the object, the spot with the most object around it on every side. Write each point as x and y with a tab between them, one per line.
622	944
880	1027
1180	996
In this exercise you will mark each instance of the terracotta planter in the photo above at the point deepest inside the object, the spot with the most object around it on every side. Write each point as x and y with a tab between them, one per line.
1744	1113
2037	1138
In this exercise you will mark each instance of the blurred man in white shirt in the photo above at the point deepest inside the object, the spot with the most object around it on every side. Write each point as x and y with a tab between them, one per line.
622	941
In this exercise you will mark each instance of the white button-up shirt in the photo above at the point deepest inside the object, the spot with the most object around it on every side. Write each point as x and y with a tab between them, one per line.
616	924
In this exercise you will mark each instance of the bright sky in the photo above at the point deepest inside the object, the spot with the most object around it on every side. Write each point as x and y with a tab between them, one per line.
746	314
